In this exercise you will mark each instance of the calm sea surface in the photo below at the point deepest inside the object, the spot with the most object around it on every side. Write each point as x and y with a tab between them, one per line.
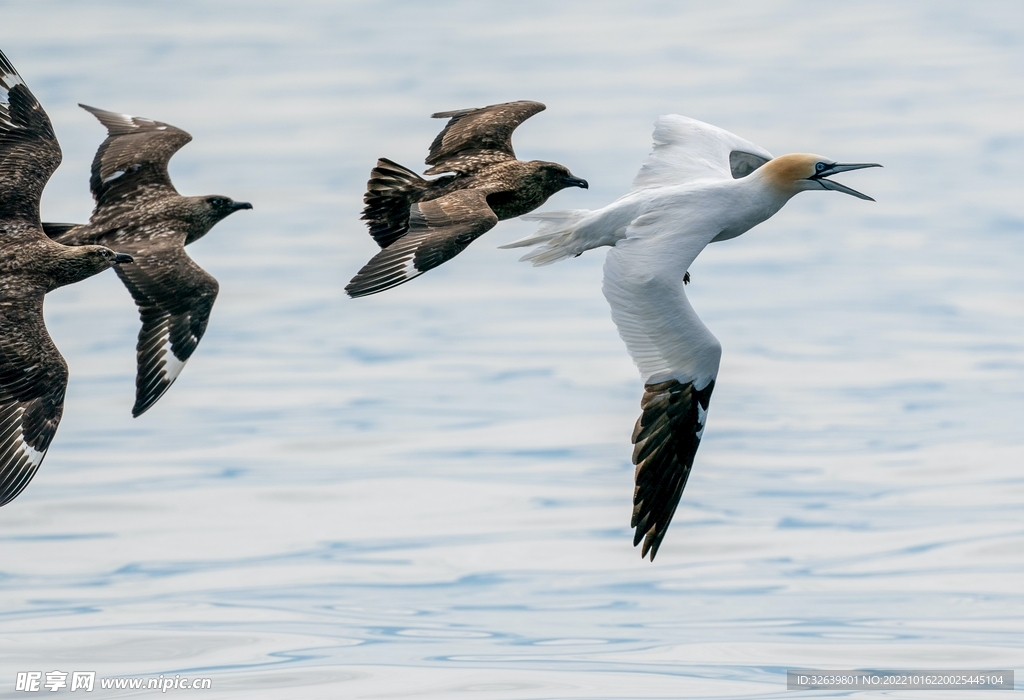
427	493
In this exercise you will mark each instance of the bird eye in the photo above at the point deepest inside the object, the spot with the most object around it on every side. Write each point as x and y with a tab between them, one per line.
216	201
819	167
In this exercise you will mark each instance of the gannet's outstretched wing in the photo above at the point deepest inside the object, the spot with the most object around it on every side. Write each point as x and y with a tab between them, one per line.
678	359
686	149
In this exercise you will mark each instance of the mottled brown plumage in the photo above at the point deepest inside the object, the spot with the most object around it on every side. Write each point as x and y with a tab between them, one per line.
33	375
138	211
421	224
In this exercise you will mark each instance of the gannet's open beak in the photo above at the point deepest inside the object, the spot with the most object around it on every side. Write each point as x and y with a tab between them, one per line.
819	177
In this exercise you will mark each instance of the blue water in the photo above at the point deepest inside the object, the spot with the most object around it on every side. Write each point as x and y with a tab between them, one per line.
427	493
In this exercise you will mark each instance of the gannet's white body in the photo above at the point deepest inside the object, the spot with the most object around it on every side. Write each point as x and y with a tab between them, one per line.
699	185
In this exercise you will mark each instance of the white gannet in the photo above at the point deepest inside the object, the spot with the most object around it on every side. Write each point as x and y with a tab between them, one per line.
699	185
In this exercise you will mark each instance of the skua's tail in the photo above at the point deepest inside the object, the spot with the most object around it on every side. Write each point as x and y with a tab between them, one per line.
392	189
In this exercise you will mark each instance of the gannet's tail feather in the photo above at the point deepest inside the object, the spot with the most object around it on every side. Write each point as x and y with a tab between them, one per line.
560	235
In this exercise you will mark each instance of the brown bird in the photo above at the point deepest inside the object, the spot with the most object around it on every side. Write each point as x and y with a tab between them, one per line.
139	211
421	224
33	375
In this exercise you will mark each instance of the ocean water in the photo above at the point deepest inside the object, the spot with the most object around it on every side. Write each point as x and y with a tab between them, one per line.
426	493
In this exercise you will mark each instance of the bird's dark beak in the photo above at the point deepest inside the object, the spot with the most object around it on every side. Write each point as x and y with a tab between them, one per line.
122	258
819	177
576	182
238	206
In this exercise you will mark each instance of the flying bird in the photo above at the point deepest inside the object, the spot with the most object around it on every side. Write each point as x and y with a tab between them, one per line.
420	224
33	374
699	185
139	211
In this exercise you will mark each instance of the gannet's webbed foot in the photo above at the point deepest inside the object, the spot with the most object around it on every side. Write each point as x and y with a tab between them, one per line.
686	277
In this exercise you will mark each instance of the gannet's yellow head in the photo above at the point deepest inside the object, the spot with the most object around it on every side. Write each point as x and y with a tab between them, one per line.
797	172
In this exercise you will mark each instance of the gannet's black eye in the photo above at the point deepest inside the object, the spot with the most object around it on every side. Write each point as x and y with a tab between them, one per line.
820	167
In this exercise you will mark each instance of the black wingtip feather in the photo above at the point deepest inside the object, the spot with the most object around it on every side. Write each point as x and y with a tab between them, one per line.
375	284
666	438
7	66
